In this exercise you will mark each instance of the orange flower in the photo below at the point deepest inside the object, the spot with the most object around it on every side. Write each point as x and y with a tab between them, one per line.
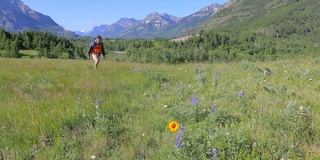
173	126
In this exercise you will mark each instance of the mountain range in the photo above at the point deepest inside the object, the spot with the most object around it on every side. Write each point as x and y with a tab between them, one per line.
155	25
15	16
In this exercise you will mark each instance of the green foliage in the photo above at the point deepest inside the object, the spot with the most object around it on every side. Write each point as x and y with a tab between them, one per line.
213	46
47	44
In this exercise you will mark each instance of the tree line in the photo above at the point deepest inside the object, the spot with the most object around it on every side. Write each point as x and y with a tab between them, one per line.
207	46
46	44
214	46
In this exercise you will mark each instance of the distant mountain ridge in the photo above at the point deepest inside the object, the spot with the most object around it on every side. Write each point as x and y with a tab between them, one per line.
156	25
114	29
15	16
188	23
150	27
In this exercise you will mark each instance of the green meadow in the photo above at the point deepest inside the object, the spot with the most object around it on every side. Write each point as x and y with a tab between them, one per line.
64	109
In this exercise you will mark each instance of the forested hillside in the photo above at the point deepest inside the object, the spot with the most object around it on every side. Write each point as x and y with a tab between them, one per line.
289	16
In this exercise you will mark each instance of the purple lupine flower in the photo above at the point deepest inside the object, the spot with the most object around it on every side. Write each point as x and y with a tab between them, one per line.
214	108
241	93
215	153
215	77
97	102
165	86
194	100
180	137
100	96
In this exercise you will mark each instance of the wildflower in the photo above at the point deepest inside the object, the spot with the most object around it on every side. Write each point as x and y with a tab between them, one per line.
288	107
180	137
301	108
241	93
214	108
215	77
173	126
194	100
100	98
261	109
97	103
165	86
137	68
215	153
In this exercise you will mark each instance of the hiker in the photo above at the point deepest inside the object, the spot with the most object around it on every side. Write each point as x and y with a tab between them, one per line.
96	49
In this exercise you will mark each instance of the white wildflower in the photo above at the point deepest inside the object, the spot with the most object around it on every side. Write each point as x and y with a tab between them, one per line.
301	108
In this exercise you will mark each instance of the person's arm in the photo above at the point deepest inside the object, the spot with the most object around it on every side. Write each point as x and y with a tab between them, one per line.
90	50
103	51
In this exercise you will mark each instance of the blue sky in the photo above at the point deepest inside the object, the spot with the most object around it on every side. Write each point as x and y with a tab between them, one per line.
86	14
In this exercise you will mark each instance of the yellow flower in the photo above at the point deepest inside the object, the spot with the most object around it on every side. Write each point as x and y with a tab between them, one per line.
173	126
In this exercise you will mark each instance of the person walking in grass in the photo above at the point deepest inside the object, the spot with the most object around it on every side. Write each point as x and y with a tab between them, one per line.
96	49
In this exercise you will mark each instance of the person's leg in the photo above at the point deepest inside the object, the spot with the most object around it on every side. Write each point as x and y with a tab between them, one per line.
96	59
96	64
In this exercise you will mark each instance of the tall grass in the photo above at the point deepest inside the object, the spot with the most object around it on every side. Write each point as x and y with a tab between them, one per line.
64	109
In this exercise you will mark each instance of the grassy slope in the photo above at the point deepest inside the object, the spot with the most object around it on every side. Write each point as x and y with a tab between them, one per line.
62	109
264	15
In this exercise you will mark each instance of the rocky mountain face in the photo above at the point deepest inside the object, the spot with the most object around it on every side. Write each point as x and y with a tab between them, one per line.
150	27
187	24
98	30
15	16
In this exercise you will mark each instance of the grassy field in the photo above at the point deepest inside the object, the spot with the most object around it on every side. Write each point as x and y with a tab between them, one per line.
64	109
29	53
25	53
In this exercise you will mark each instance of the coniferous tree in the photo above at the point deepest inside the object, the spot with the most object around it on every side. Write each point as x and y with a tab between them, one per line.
27	40
15	47
7	49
